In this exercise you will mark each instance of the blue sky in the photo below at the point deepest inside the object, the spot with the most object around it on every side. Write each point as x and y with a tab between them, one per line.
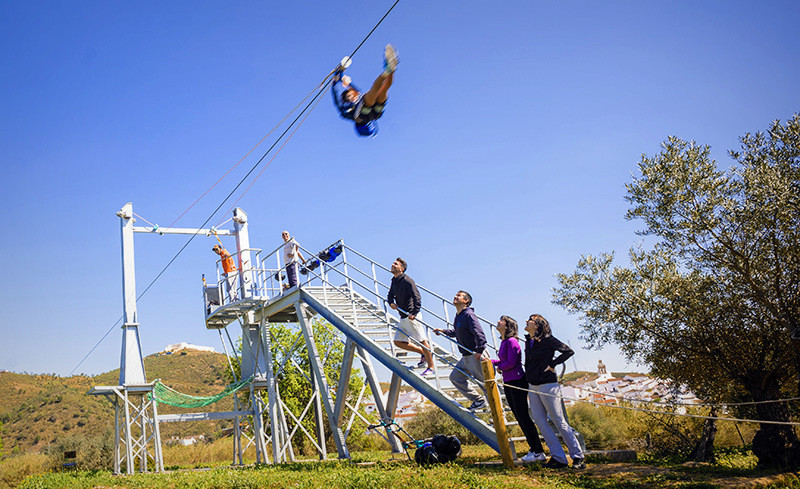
509	135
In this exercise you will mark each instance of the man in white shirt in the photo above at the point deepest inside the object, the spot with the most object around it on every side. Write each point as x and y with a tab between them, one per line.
291	257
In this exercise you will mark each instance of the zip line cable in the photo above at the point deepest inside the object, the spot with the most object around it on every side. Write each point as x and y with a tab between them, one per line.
281	122
325	82
191	238
702	404
245	156
97	344
281	148
373	29
268	163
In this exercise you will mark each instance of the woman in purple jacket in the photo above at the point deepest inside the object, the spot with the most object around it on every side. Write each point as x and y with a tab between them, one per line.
515	385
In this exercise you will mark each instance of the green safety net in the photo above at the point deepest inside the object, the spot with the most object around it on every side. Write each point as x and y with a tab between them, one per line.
166	395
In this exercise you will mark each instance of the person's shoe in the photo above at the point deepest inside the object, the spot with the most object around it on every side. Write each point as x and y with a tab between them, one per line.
578	463
477	405
427	373
390	59
421	363
532	457
555	464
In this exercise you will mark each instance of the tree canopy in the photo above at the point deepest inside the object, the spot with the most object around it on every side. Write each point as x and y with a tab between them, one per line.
714	300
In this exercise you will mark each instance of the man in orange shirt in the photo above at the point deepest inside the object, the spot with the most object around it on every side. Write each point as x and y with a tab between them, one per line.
230	274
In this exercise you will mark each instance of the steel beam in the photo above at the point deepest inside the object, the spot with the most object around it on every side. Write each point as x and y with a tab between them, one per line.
344	380
455	410
321	382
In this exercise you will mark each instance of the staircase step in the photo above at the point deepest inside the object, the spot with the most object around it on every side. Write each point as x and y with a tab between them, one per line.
374	324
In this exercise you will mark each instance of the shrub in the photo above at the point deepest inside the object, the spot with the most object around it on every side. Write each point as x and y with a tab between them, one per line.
670	437
360	439
14	469
93	452
602	428
433	421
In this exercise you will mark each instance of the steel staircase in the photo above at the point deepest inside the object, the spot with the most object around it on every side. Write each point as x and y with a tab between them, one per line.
368	326
348	293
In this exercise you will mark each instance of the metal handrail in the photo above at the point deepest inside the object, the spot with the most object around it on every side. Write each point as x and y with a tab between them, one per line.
434	294
441	358
264	278
255	285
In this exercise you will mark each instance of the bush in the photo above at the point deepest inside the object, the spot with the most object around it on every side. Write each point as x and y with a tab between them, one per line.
360	439
602	428
434	421
14	469
93	452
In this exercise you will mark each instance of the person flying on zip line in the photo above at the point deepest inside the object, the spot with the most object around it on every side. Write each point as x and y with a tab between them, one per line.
364	109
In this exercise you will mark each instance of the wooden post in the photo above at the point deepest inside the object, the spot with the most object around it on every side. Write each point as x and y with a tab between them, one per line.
497	413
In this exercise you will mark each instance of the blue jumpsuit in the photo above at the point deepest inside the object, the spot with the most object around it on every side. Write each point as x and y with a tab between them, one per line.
364	117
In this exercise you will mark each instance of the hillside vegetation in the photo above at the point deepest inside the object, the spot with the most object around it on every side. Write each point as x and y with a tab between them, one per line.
35	410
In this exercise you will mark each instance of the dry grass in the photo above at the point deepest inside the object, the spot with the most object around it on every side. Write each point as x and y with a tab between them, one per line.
14	469
203	454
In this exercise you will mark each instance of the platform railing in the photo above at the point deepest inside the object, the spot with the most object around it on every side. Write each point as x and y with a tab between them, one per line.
448	310
247	282
357	272
350	269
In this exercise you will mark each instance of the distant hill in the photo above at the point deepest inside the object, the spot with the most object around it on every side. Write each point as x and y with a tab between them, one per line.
573	376
36	409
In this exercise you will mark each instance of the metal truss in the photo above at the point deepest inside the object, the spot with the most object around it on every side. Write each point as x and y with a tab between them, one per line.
346	293
137	438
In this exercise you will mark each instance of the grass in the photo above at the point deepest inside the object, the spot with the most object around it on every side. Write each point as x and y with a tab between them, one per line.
369	470
14	470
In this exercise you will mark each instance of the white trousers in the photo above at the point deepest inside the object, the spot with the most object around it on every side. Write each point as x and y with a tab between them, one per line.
545	400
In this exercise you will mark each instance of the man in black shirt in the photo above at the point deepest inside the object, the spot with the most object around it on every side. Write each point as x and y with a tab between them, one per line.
405	299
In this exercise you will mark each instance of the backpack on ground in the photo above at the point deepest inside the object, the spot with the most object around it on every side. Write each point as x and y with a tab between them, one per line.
438	450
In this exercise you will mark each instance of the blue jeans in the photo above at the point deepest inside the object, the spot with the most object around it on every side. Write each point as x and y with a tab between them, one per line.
291	273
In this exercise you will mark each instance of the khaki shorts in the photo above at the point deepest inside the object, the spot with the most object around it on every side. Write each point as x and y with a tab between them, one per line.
408	328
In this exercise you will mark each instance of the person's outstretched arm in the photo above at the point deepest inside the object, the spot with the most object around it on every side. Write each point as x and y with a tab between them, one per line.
337	89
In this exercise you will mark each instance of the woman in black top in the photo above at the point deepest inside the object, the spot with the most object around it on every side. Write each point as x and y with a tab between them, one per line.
545	392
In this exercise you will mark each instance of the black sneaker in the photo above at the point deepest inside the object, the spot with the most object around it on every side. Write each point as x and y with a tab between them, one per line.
578	463
555	464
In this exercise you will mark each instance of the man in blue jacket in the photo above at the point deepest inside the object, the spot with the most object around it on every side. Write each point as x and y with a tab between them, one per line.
471	342
364	108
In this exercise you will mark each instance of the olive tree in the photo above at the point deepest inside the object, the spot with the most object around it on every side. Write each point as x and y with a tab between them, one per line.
713	300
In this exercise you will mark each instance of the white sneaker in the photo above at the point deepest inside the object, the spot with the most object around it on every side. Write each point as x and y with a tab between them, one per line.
532	457
389	59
